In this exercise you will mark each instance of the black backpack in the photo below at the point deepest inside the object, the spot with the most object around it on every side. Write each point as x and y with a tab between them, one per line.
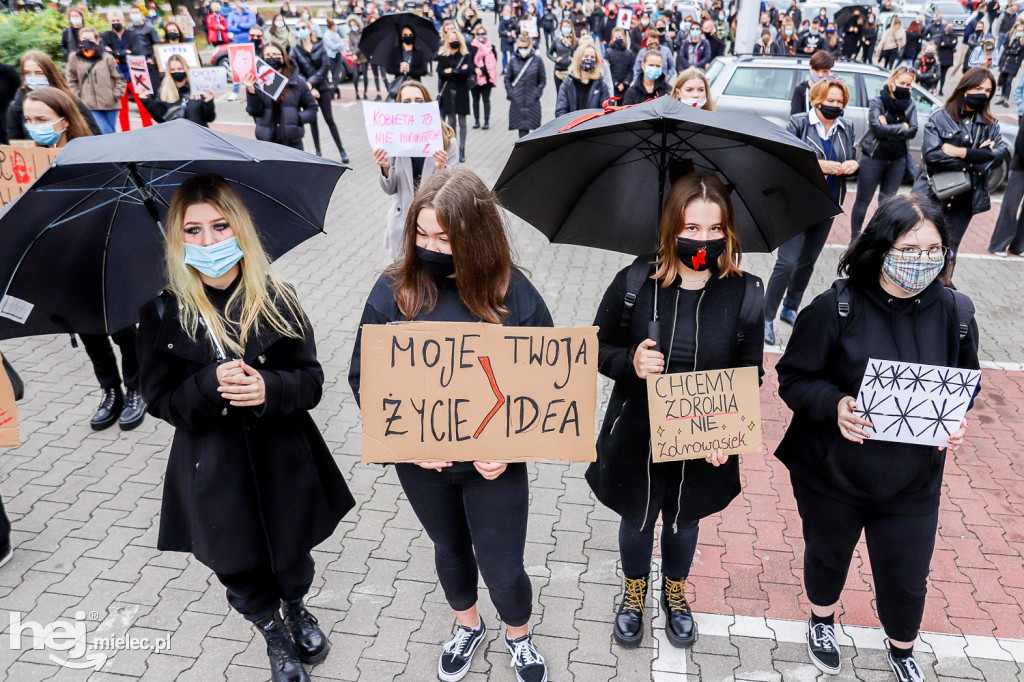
964	306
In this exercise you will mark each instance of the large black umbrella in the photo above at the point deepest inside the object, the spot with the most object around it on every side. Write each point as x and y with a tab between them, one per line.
384	34
602	182
843	15
84	244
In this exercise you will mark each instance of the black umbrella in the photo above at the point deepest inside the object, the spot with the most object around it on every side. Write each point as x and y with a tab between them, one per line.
843	15
384	34
84	244
602	182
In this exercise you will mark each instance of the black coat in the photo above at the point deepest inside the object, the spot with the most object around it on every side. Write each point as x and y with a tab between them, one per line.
825	361
505	28
913	45
524	98
199	111
417	64
16	117
10	84
297	108
243	485
568	100
620	476
1011	58
620	62
69	40
312	64
453	88
946	49
637	93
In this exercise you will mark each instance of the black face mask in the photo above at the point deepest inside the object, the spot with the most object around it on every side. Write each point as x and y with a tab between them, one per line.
620	43
698	255
179	76
408	40
977	101
901	93
117	27
257	43
453	44
276	63
830	112
434	263
173	37
90	46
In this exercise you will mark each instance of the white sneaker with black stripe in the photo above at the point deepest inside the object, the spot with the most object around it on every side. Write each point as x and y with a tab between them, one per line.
823	647
529	664
458	653
906	669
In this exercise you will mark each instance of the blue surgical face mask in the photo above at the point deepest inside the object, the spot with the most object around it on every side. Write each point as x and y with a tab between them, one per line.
566	30
695	33
653	73
36	82
302	33
44	134
213	260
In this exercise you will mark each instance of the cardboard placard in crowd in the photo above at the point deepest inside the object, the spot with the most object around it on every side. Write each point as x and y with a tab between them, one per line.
19	168
695	413
624	19
187	51
910	403
8	414
138	71
243	61
404	129
268	80
455	391
529	27
213	79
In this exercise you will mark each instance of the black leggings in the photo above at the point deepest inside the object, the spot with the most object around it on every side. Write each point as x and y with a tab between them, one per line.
482	92
324	102
475	523
678	537
104	364
943	70
1006	83
899	548
257	594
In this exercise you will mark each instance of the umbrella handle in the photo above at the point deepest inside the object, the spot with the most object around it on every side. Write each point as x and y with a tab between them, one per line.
654	334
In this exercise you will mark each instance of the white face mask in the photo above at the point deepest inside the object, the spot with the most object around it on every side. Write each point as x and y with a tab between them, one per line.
136	18
697	102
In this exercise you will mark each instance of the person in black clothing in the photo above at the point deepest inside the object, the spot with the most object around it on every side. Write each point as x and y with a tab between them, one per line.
282	120
852	35
1008	236
892	123
946	49
716	43
142	36
10	82
814	39
912	48
928	68
508	30
176	99
455	68
457	267
651	82
406	59
1009	62
820	64
69	40
620	62
311	60
696	282
845	482
229	360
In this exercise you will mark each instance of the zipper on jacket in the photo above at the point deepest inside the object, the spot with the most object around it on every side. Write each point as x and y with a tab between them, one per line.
682	473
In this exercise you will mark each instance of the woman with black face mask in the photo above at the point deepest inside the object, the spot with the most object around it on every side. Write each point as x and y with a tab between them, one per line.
457	266
406	59
176	99
455	67
832	138
962	143
892	123
95	79
694	282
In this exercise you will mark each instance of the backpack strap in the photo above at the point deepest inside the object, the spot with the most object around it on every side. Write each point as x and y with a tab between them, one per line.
752	307
638	272
843	297
964	312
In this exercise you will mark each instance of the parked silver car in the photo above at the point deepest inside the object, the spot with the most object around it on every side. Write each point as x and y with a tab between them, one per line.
764	86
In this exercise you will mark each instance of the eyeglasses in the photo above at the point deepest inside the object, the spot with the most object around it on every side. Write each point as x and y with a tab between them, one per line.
936	253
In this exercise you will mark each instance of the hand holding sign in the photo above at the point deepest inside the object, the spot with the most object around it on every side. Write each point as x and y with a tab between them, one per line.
404	129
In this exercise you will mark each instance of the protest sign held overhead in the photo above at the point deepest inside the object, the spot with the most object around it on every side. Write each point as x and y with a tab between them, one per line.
404	129
243	61
138	71
268	81
455	391
695	413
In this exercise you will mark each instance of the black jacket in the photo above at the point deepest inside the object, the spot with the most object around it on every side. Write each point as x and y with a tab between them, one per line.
825	361
243	485
620	476
143	38
637	93
10	85
940	129
568	101
312	64
913	45
1011	58
283	121
524	97
620	62
560	53
16	117
506	27
69	40
842	142
417	65
453	88
946	49
928	73
893	132
798	102
199	111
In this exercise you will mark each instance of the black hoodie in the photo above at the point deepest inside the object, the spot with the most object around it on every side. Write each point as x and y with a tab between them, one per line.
825	361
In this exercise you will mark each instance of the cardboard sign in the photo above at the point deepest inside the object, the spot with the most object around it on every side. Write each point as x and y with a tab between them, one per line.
138	70
404	129
453	391
187	51
268	81
529	27
243	61
624	19
910	403
695	413
19	168
214	79
8	414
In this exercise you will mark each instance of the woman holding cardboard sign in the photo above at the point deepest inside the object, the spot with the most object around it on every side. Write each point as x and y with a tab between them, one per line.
694	280
176	99
457	267
892	306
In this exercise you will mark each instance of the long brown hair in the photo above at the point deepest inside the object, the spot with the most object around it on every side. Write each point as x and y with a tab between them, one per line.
65	107
49	69
970	80
471	217
697	186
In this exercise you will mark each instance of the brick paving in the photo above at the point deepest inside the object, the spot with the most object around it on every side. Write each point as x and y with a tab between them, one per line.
84	508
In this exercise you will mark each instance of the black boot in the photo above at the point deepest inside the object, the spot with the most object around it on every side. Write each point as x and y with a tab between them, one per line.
487	124
310	640
344	156
462	155
284	657
476	124
680	628
629	621
109	409
134	410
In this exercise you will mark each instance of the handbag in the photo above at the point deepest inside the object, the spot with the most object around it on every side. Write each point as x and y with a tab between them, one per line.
948	184
395	87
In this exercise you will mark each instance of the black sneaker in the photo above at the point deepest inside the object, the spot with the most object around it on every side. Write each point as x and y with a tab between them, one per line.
823	647
906	669
529	664
458	653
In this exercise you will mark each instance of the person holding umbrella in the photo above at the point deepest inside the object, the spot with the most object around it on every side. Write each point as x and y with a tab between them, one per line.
832	138
401	176
228	359
282	120
407	60
524	84
846	483
694	279
585	87
457	266
310	58
52	119
176	99
454	70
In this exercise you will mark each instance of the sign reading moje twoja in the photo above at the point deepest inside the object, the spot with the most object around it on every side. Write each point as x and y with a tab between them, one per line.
695	413
451	391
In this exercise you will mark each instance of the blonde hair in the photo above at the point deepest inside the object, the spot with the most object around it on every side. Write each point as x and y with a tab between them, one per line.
447	132
575	70
261	299
690	74
168	87
446	51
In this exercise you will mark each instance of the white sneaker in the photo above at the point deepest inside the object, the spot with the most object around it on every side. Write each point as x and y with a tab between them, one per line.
905	669
233	97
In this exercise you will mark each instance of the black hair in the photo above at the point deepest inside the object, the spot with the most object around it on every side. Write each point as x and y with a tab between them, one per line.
895	216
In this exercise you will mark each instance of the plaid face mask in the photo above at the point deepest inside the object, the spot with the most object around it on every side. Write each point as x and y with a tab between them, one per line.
913	276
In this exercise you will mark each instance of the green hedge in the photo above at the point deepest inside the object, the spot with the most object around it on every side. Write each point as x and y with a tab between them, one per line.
24	31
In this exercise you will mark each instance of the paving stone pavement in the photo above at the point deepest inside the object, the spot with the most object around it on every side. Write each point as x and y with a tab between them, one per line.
84	508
